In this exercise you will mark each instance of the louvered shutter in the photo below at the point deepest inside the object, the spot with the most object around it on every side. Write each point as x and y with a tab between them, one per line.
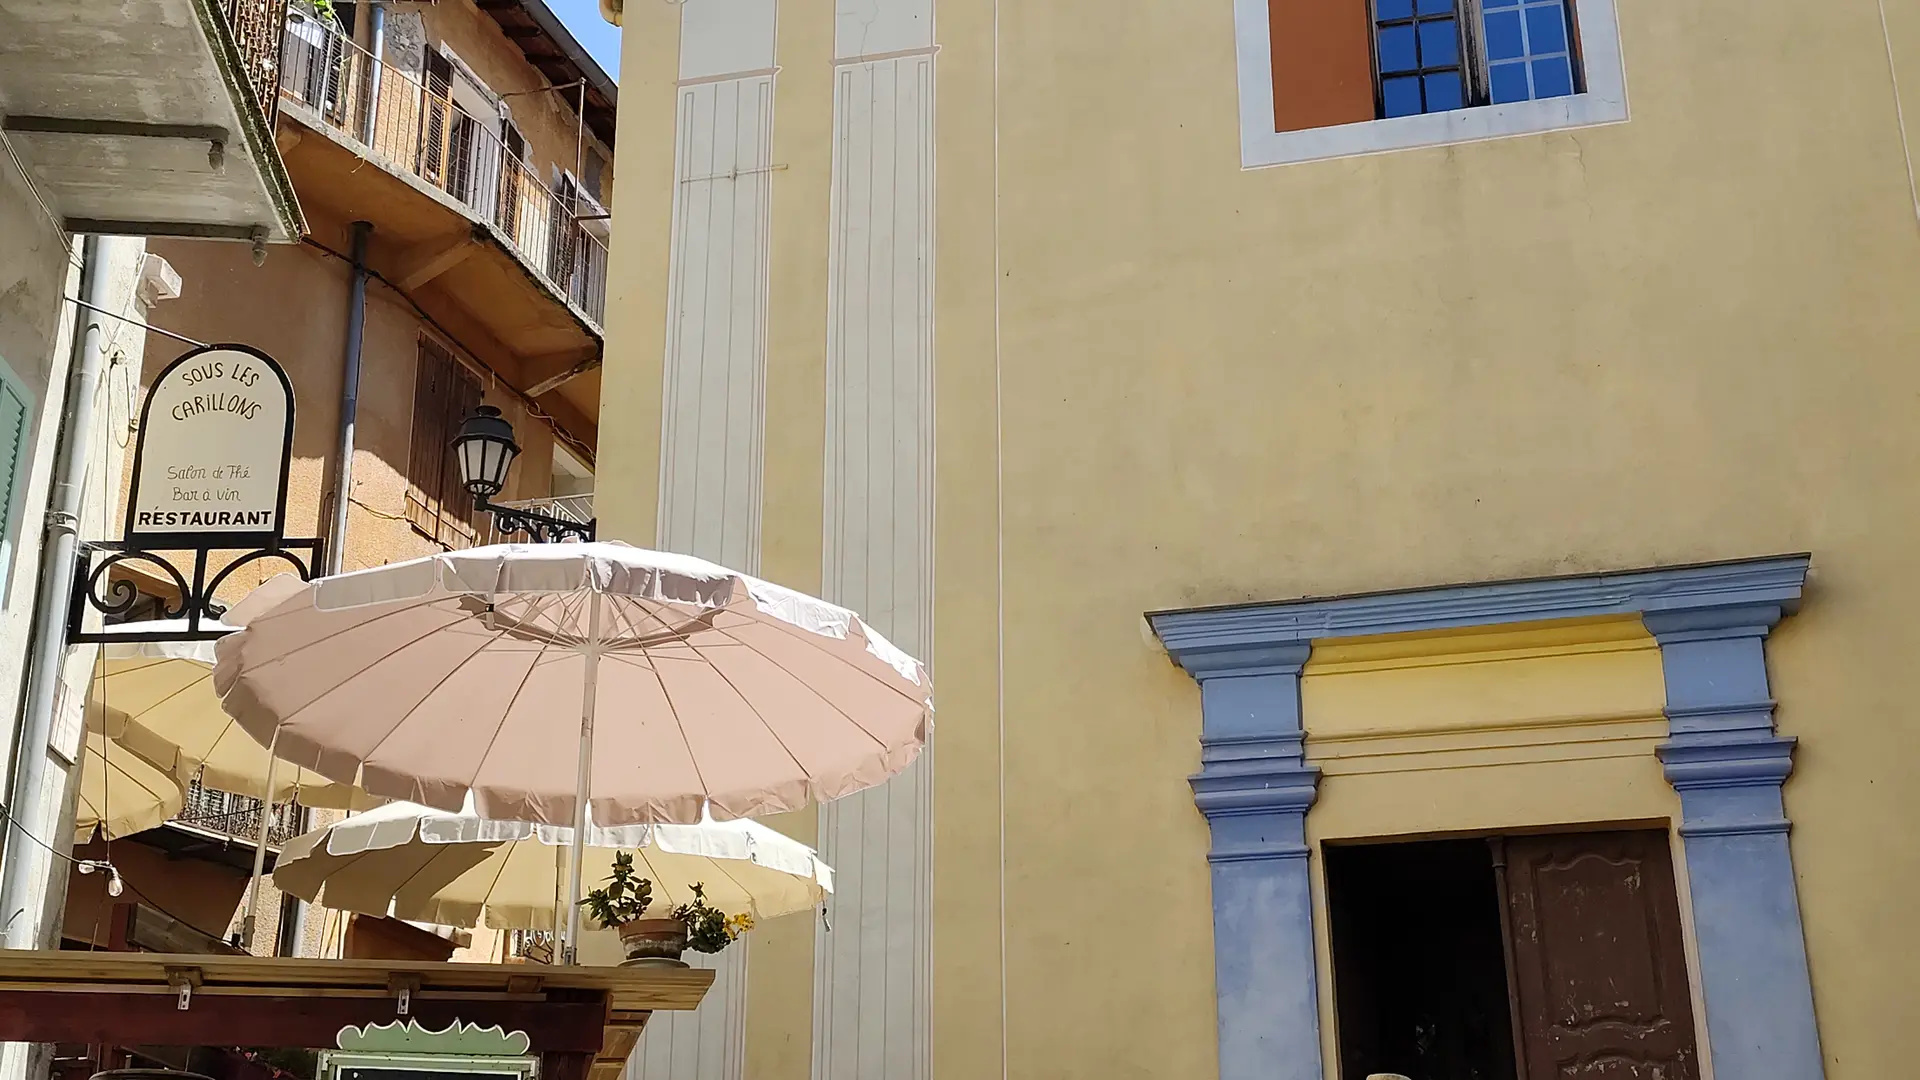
15	427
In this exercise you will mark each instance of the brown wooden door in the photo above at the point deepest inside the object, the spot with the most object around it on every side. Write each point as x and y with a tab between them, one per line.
1599	973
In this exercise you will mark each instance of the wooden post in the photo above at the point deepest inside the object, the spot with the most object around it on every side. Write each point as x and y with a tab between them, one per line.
565	1065
120	927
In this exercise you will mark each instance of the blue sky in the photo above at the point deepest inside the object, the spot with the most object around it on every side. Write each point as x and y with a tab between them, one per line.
593	32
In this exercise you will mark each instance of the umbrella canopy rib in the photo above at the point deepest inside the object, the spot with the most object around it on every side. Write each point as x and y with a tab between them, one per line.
493	737
851	719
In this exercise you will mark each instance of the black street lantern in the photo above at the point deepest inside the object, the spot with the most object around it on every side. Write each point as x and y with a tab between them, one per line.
485	450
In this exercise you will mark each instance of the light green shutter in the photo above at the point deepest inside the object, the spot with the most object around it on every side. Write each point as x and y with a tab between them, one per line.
16	427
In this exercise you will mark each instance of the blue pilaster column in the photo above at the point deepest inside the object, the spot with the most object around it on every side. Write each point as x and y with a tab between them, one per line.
1728	764
1255	788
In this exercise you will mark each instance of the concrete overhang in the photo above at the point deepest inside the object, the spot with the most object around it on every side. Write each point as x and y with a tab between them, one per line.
138	117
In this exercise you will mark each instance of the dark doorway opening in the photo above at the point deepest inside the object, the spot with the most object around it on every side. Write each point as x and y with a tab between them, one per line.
1419	961
1548	957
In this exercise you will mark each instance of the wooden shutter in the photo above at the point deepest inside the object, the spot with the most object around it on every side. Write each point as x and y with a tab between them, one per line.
1600	978
595	170
512	166
563	231
16	426
444	392
436	113
1322	62
456	506
424	456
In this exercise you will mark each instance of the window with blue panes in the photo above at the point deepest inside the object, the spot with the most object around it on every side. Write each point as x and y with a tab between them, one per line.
1439	55
1419	52
1529	50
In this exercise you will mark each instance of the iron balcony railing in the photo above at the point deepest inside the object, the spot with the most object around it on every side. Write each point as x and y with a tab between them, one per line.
531	945
415	127
237	816
565	507
256	26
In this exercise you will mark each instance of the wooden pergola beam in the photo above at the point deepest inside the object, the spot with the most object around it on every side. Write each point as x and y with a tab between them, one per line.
571	1015
142	1019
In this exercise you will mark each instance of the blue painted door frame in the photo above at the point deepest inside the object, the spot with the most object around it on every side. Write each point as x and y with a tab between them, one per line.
1723	757
1255	790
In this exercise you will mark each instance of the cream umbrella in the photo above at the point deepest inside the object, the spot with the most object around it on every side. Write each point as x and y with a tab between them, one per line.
156	699
431	866
454	674
121	793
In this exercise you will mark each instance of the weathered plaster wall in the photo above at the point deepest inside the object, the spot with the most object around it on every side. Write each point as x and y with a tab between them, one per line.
37	268
296	311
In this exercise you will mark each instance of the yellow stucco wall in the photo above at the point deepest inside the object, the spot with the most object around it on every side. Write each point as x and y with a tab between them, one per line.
1486	731
1164	381
627	495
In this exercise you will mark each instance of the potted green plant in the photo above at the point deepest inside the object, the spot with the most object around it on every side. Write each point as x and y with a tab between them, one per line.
621	904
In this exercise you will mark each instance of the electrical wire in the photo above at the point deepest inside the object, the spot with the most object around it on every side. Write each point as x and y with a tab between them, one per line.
149	327
7	814
33	186
125	429
116	359
85	866
157	906
574	442
377	512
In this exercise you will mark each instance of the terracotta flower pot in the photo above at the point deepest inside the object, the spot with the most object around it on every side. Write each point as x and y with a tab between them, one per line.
653	942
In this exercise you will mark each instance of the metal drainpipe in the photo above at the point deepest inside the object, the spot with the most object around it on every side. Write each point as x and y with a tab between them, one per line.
377	48
349	410
47	649
349	401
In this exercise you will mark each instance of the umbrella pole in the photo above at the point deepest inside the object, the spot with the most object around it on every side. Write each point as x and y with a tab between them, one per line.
560	859
582	783
260	849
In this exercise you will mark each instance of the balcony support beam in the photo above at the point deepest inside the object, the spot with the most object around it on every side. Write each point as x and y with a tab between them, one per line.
559	368
195	230
425	261
515	370
80	125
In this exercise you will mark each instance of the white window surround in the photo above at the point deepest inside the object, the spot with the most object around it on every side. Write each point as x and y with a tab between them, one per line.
1605	100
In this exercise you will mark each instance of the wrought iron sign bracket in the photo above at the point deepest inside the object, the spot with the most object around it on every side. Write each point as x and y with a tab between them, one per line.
209	475
540	528
95	588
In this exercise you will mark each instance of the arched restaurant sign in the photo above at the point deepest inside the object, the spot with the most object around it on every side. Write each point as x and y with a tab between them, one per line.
211	465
